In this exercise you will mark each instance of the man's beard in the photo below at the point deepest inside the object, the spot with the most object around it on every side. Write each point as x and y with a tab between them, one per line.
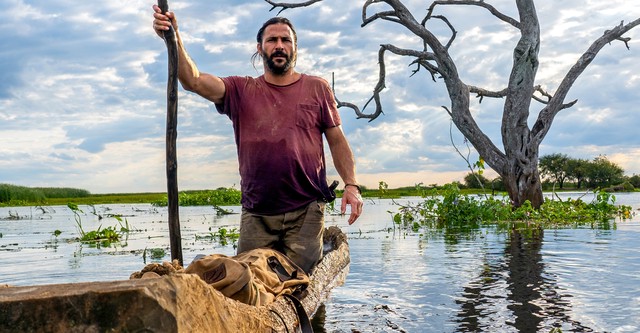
275	68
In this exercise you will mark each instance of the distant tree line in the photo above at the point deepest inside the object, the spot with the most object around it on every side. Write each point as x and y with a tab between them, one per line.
560	171
13	193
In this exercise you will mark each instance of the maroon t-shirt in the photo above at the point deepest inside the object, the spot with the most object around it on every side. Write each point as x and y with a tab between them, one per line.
278	132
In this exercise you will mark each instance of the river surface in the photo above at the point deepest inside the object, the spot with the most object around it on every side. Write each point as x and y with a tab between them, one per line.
575	279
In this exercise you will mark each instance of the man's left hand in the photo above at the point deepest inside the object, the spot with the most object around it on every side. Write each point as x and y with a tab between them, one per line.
351	196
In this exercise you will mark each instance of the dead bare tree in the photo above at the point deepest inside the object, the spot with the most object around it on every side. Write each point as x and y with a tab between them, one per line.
517	163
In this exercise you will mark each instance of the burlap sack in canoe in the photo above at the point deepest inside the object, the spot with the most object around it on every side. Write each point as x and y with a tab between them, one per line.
254	277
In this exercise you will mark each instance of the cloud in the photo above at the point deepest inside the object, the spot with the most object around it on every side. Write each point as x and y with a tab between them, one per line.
83	88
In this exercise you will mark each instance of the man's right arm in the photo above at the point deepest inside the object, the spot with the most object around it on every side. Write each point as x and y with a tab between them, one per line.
206	85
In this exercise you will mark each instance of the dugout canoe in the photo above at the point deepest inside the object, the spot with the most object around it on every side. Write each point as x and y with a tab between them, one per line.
171	303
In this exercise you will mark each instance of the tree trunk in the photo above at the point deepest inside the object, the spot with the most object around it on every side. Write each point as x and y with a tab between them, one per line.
520	171
523	184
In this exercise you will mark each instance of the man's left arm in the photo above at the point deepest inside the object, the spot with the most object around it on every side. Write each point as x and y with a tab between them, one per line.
345	165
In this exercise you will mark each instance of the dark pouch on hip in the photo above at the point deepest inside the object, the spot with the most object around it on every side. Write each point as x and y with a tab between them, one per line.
332	192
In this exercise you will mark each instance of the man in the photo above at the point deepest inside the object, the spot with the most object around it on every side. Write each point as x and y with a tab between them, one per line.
278	120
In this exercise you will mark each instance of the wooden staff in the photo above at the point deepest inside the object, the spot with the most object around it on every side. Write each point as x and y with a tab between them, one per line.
172	123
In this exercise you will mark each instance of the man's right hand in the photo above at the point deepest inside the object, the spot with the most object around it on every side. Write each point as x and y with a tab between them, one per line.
162	22
206	85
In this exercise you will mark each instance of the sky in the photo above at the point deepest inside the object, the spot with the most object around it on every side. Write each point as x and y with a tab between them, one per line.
83	89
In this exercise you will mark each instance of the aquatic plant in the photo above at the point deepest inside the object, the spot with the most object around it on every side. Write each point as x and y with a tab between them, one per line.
222	236
447	208
105	236
154	254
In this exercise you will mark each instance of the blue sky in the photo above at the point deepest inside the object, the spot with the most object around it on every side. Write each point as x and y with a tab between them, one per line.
83	86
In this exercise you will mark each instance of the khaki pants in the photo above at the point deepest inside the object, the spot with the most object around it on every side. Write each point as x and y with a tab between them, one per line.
297	234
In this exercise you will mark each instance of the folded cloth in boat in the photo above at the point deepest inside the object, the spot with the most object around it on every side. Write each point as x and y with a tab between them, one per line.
254	277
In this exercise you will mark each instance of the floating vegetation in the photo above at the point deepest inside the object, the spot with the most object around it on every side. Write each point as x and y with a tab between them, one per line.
449	210
222	236
153	254
221	211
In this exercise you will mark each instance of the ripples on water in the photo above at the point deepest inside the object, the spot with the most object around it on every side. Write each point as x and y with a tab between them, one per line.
579	280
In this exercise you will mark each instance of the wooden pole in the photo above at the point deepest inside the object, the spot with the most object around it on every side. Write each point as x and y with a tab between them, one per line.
172	133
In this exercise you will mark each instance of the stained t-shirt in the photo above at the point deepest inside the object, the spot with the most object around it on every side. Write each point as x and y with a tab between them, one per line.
278	132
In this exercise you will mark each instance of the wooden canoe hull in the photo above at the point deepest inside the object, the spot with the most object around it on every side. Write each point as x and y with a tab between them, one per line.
171	303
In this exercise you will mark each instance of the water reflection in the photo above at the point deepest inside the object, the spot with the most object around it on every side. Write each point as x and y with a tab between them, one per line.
524	277
513	293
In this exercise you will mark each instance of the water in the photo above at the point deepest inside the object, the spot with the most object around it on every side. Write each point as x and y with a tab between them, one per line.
578	280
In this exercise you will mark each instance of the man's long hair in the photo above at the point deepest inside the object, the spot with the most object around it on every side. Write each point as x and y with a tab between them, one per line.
275	20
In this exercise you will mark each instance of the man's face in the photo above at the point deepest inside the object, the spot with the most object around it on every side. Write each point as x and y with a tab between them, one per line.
278	48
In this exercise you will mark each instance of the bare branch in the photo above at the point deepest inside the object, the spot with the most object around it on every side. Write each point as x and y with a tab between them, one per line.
386	15
408	52
376	94
479	3
625	40
355	108
542	92
482	93
454	33
426	65
555	104
448	111
422	58
548	96
285	5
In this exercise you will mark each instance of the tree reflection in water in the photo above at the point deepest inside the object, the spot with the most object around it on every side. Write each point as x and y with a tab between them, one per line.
513	290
